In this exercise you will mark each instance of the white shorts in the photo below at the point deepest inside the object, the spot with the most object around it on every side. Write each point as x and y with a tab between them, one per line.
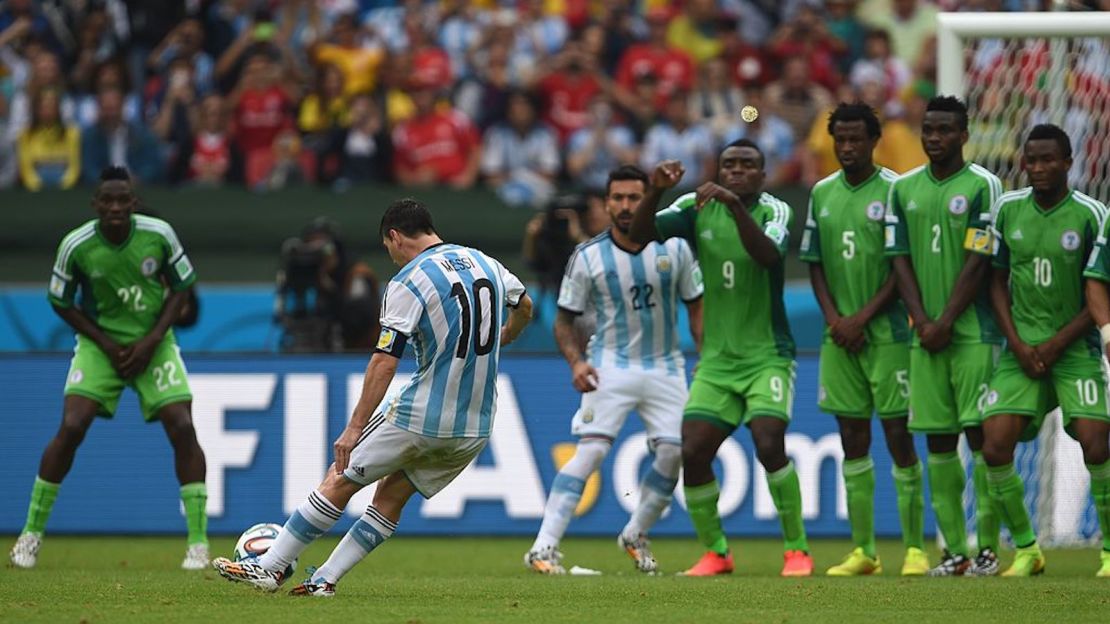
658	397
429	463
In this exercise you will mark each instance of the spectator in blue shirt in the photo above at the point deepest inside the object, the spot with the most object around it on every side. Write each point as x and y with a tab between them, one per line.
675	137
600	147
520	157
112	141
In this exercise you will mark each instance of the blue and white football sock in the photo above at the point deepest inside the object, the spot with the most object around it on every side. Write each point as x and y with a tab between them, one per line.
656	490
368	533
566	491
312	519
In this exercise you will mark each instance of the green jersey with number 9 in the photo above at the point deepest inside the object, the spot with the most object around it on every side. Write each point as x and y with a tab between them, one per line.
122	287
744	316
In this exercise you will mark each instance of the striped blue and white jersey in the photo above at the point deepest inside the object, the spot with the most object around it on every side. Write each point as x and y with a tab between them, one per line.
449	303
634	297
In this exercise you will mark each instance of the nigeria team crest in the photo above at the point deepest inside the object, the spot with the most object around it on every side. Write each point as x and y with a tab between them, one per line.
149	266
1069	240
958	205
875	211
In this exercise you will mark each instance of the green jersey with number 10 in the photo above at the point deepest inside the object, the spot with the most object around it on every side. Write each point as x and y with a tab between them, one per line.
744	318
122	286
937	223
1046	252
844	234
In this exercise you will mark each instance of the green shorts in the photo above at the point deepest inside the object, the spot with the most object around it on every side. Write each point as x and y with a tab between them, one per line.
876	379
735	398
949	390
92	375
1076	384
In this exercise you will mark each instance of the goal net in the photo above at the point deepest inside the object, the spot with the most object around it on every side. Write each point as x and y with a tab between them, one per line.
1016	70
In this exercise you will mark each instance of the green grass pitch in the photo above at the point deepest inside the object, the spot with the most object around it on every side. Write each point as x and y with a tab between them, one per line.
457	580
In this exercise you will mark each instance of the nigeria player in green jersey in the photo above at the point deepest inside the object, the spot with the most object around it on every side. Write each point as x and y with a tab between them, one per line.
122	264
865	356
746	372
1044	235
937	219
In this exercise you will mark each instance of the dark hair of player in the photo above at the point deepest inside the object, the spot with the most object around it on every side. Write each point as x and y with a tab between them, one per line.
747	143
949	104
1051	132
627	172
856	111
408	216
115	172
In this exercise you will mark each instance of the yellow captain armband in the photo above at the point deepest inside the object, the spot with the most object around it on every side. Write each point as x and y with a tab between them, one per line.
979	241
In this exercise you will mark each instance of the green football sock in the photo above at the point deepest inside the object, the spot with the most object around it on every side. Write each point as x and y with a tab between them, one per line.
195	498
787	494
946	482
701	504
1100	492
911	504
1008	493
859	483
986	518
43	494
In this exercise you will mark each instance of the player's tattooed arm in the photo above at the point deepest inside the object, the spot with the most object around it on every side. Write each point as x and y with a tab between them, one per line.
665	175
137	355
973	276
569	339
75	318
1028	357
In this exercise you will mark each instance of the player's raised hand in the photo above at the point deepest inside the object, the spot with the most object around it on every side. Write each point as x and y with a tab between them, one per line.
584	376
343	445
667	174
710	191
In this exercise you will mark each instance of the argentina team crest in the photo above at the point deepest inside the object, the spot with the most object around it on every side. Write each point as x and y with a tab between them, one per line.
958	205
663	264
876	210
149	266
1069	240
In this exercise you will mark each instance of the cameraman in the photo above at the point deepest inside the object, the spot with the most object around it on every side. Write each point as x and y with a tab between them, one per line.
551	236
325	301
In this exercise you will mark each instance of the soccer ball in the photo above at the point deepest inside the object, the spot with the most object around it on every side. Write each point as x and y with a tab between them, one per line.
255	541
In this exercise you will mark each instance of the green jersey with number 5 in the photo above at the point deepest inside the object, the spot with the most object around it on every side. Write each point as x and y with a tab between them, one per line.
844	234
1046	252
937	223
122	287
744	316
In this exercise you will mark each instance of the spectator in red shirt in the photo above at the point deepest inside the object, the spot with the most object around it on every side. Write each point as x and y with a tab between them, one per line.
210	158
567	88
430	64
748	64
262	110
671	67
435	146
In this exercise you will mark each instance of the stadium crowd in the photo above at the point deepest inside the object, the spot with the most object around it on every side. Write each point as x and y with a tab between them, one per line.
524	96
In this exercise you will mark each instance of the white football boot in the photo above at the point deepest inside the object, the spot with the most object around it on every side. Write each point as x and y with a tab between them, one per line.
25	552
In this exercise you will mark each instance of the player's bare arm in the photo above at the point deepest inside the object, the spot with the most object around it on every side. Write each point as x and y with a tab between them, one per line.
972	277
826	301
908	289
1050	350
761	248
693	309
665	175
1026	355
567	336
82	324
519	318
379	373
136	356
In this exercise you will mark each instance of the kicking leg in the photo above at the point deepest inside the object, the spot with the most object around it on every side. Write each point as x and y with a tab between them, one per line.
370	531
78	413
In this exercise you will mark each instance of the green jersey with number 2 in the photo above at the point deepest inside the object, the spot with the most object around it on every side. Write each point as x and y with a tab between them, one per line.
937	223
122	287
744	315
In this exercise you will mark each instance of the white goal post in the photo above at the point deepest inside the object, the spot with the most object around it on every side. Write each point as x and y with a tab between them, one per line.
954	29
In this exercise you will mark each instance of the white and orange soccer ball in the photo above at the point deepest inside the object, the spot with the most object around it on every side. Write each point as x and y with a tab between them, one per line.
255	541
